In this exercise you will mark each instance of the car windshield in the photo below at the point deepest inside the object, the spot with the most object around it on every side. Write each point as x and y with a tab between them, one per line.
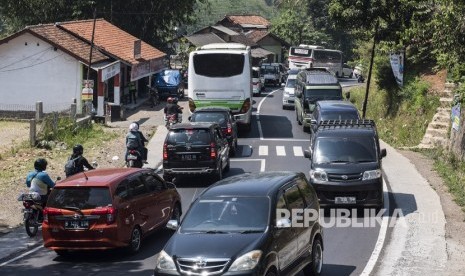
340	115
227	214
290	83
345	149
323	94
215	117
79	197
192	136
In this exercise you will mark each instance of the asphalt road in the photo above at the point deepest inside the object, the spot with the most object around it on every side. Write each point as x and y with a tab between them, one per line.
276	142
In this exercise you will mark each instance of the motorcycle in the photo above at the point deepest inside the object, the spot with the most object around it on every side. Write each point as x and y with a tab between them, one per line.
33	209
171	120
360	79
134	159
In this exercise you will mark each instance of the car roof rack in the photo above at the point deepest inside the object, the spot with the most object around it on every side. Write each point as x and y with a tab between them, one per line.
361	123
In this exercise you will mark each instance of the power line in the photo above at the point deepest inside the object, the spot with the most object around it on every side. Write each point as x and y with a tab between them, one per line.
17	61
29	66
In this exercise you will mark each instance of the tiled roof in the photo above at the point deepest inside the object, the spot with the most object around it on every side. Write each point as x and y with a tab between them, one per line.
67	42
257	35
248	19
112	40
241	38
224	30
203	39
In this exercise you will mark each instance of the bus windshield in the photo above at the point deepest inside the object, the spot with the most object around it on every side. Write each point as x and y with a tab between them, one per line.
220	65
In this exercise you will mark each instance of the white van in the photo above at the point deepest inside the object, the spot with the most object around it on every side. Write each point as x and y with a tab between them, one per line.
220	74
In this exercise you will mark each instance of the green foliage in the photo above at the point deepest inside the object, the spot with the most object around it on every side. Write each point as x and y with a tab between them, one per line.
62	129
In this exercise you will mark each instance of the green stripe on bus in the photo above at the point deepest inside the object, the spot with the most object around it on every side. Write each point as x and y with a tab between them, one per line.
229	104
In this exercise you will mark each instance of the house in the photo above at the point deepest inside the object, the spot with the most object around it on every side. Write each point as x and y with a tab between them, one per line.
49	63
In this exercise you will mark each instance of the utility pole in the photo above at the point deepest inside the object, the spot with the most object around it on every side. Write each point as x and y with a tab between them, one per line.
369	72
88	103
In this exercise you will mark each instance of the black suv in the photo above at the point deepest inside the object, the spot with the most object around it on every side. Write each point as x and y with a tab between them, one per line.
345	163
333	110
237	227
195	148
221	116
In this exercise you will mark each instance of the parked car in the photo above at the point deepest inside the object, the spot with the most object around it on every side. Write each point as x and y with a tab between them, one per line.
195	149
236	227
223	117
333	110
257	81
289	88
358	71
108	208
347	71
345	164
169	83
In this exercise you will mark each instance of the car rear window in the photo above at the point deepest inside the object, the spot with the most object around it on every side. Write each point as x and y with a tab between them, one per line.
255	74
323	94
340	115
79	197
192	136
216	117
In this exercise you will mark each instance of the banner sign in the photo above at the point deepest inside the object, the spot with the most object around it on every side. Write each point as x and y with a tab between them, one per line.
397	64
110	71
87	93
147	68
455	116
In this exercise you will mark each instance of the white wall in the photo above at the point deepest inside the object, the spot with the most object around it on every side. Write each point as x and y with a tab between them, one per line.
37	72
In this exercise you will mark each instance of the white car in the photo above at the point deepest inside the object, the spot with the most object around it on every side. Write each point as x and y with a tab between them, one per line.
288	94
347	71
257	81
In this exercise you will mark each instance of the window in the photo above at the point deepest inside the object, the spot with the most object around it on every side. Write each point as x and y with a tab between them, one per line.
343	149
79	197
122	189
219	65
153	184
306	190
294	198
137	187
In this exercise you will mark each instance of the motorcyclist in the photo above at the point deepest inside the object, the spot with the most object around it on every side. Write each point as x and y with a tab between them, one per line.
79	161
39	181
172	108
143	140
134	140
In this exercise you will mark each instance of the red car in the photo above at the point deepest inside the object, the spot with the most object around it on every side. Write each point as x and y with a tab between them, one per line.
108	208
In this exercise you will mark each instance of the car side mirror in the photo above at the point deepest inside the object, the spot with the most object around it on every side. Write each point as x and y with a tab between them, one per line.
348	95
283	223
172	224
313	122
383	153
308	154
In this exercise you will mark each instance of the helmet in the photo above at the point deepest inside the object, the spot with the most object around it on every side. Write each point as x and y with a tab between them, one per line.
169	100
40	164
133	127
137	123
78	149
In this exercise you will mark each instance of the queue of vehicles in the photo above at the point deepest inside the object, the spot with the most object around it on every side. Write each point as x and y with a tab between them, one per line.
109	208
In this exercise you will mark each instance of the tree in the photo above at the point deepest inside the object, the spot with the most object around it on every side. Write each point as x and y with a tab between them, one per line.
151	21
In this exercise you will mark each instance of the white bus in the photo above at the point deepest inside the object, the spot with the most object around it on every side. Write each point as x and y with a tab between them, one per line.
309	56
220	74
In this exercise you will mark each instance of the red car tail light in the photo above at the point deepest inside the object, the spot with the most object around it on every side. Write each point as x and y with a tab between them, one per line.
48	211
229	130
109	211
212	151
165	151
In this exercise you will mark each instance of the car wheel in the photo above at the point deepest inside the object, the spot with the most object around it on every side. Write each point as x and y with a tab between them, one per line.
270	273
62	252
305	128
232	150
219	173
228	166
316	266
297	117
135	242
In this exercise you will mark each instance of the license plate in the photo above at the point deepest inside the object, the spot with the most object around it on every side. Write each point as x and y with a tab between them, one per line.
132	157
76	224
345	200
189	157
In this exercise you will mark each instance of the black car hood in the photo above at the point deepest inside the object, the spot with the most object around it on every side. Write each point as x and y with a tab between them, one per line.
212	245
346	168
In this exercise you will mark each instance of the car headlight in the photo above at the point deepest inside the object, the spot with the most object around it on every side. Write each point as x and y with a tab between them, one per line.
247	261
319	175
165	262
367	175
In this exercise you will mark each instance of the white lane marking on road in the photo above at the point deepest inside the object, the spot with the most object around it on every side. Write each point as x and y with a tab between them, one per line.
262	162
298	151
22	255
280	151
263	150
257	114
381	236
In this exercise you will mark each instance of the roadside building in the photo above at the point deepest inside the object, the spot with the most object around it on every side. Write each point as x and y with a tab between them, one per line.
49	62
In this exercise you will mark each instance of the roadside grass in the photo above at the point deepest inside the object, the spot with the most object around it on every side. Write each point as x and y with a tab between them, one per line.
452	171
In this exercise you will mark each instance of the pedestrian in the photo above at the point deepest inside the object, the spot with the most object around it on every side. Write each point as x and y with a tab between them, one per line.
132	92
